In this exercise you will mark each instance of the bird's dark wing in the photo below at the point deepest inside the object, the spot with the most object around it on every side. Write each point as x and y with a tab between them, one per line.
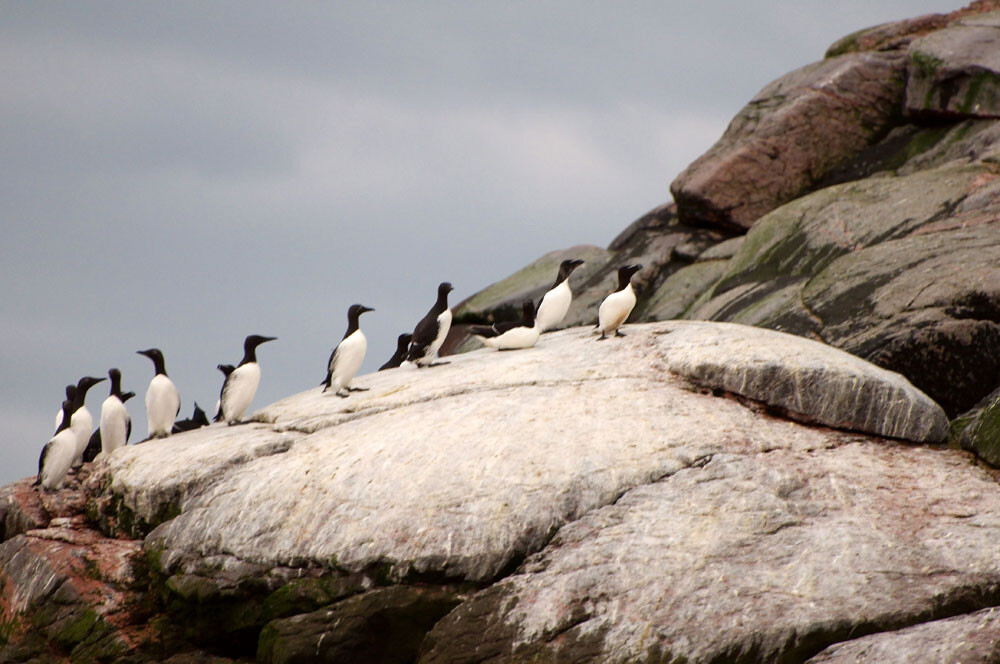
424	335
394	361
128	427
483	331
93	446
41	463
222	396
330	365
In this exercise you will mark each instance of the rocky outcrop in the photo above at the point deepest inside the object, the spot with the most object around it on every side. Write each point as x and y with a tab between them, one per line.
790	135
955	72
348	529
763	560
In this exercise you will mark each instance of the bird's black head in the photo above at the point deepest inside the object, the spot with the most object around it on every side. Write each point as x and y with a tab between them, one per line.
566	268
126	396
199	416
157	357
625	273
71	392
226	369
357	309
116	380
444	288
255	340
85	384
528	313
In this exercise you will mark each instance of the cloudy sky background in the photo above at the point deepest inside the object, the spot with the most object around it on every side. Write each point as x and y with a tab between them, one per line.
183	174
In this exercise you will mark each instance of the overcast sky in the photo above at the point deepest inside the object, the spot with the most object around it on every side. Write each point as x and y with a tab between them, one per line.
183	174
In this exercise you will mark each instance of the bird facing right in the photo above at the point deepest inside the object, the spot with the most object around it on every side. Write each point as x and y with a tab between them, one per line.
346	358
619	304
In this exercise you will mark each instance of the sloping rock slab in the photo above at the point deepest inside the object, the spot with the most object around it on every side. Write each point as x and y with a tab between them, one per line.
806	378
766	559
789	136
902	271
955	72
969	639
460	470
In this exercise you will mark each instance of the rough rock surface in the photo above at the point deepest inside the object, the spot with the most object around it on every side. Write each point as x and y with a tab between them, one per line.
765	559
969	639
955	72
789	136
903	271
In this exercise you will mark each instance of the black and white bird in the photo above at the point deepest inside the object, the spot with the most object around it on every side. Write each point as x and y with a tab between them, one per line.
197	420
226	369
163	401
70	396
402	347
555	303
618	305
510	335
116	425
96	444
57	455
82	422
431	331
346	358
241	384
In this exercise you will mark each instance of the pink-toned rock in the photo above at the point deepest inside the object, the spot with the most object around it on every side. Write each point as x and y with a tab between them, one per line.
791	134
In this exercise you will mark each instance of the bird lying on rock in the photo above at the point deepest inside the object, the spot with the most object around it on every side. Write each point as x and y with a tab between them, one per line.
510	335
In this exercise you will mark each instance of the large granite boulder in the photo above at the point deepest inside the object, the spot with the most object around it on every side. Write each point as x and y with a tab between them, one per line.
346	529
903	271
955	72
790	135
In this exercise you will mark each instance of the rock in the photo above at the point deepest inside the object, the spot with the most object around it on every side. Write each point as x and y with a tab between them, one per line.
358	629
982	434
364	489
888	36
656	241
970	639
21	509
955	72
765	559
902	271
790	135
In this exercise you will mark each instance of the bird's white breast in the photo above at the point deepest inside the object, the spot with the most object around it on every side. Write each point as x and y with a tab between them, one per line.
554	306
518	337
60	451
615	309
114	424
82	425
241	386
162	403
347	360
444	324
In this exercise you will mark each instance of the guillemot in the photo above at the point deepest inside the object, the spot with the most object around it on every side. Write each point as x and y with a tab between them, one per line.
618	305
346	358
431	331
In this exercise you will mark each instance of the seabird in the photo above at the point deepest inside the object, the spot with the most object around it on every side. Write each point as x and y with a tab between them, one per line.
82	423
198	418
241	385
618	305
555	303
116	425
346	358
510	335
163	402
226	369
57	455
431	331
402	346
95	446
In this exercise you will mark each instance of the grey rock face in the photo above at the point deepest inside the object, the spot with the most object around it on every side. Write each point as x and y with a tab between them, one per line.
955	72
789	136
460	470
903	271
970	639
763	559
